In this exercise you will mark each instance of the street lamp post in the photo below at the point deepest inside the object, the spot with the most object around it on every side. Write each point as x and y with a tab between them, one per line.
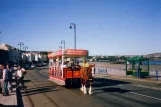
20	44
60	47
63	42
25	48
74	25
0	33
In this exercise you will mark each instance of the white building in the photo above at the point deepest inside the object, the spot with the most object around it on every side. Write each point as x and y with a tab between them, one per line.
34	56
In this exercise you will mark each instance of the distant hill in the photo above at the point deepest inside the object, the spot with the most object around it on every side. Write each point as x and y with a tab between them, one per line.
154	55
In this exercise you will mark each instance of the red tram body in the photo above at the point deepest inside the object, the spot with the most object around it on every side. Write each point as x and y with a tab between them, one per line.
64	75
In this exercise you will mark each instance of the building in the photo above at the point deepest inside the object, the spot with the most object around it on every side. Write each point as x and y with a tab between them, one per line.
34	56
9	54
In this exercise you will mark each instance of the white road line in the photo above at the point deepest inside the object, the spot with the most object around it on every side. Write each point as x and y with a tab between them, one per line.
145	96
154	88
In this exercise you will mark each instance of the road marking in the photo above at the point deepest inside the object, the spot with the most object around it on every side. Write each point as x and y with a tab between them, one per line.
154	88
125	78
145	96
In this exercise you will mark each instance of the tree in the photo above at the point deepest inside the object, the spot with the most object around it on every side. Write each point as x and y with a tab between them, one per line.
123	58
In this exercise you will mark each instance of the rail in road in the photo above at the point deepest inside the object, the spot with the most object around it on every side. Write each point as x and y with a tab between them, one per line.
106	92
43	92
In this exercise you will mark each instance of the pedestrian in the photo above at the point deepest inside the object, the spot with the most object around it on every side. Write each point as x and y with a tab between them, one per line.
20	76
1	79
10	71
5	81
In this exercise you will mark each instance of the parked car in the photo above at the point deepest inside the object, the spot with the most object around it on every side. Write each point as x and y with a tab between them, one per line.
33	66
27	66
15	67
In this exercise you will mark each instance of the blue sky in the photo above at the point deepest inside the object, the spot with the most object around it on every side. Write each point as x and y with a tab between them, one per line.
104	27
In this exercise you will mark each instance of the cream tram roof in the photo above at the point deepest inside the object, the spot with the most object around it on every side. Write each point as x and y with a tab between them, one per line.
68	53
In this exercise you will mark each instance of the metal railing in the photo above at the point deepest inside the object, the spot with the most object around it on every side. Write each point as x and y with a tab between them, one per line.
155	73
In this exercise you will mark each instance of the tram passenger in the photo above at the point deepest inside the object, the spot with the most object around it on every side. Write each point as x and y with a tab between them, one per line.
64	65
71	63
85	64
77	65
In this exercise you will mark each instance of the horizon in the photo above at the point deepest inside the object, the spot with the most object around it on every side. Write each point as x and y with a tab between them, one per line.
89	55
106	27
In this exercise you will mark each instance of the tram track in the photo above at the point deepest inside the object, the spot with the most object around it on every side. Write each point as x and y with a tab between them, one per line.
46	95
32	104
41	91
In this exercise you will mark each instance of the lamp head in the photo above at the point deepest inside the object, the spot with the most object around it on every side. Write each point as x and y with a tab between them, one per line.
70	27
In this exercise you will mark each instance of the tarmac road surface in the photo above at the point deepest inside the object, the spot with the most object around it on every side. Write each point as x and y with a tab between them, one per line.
107	92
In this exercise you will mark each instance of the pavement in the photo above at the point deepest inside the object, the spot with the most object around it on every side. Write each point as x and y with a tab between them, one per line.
9	101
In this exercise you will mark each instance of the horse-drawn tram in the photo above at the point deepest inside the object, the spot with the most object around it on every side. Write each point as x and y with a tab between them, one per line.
65	69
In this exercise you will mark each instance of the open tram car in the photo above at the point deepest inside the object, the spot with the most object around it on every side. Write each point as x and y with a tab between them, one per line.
65	76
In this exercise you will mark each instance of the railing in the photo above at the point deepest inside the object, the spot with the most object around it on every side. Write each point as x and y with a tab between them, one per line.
110	71
155	73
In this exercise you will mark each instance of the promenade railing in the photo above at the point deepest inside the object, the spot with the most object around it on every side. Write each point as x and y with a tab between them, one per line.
155	73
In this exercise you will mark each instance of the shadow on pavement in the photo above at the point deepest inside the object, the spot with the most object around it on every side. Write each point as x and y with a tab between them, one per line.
155	105
102	82
26	80
44	89
110	89
1	105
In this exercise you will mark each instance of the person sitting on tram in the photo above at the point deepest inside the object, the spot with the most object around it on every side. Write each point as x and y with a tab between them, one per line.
64	65
85	64
77	65
71	63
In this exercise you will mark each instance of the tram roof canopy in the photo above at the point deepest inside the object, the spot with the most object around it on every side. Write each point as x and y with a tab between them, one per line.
137	58
69	53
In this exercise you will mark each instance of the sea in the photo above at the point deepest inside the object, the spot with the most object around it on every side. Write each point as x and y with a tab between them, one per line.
155	62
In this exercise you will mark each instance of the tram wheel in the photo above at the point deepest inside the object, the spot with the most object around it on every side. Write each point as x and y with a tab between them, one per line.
67	83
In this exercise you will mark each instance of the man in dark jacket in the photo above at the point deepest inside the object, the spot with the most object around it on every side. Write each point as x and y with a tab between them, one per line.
1	77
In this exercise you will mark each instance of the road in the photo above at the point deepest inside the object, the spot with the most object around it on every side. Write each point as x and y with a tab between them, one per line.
107	92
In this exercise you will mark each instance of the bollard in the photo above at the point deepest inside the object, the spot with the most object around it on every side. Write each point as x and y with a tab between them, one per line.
156	75
106	71
98	71
137	72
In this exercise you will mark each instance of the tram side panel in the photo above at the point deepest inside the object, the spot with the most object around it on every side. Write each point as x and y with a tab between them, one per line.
72	77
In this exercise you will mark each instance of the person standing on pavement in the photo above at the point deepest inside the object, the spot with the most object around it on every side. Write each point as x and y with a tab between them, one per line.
5	81
10	71
20	76
1	78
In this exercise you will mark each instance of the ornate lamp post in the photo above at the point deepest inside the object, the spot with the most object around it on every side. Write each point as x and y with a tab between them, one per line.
72	25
